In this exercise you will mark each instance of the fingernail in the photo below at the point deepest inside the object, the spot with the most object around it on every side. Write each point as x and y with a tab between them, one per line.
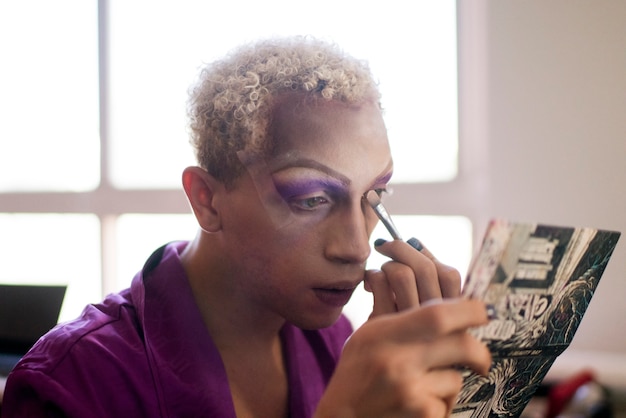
491	311
379	242
415	243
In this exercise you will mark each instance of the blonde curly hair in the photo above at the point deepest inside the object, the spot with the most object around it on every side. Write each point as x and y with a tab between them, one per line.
230	107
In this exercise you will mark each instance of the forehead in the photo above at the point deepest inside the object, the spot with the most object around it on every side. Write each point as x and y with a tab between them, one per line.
329	130
316	145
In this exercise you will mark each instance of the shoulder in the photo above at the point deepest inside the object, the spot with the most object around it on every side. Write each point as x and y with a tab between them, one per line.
110	326
80	363
103	362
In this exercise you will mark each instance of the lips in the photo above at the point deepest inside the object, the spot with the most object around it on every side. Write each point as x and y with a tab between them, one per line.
335	297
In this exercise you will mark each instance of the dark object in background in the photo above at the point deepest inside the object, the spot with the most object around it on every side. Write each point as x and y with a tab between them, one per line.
26	313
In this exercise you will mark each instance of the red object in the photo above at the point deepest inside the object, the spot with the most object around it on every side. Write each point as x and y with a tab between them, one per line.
561	393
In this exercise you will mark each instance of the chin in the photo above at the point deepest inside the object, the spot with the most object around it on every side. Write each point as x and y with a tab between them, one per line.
316	322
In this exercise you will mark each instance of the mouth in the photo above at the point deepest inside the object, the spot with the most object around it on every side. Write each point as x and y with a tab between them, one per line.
335	297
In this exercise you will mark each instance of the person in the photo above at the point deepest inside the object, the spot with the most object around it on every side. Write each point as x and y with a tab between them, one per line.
245	319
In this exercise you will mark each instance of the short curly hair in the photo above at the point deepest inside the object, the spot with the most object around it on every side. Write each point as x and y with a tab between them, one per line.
230	106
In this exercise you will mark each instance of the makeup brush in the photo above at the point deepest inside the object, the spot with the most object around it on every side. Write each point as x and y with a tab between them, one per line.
373	199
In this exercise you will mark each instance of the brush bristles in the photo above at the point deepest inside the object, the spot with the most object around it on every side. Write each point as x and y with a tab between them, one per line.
372	198
374	201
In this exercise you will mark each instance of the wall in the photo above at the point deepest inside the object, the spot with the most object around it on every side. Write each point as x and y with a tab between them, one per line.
555	130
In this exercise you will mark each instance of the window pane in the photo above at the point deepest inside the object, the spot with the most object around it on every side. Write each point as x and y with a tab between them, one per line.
411	49
140	234
49	95
449	238
53	249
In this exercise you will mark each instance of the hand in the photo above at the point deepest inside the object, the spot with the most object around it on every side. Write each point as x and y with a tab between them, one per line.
407	365
409	279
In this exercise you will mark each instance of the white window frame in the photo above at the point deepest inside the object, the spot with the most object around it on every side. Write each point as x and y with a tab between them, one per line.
466	195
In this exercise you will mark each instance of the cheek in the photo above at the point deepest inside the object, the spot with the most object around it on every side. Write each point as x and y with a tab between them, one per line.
278	265
276	247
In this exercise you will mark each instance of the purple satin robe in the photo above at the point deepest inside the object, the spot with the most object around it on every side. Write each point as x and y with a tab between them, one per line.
145	352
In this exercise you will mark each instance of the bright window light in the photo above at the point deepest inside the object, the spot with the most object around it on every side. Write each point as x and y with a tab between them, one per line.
49	128
156	49
54	249
140	234
49	96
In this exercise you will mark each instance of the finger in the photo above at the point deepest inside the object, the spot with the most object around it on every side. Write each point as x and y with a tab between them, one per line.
401	280
435	320
430	394
449	277
459	349
444	386
384	299
449	280
425	270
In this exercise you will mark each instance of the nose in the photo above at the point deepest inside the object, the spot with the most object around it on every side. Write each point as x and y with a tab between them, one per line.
348	235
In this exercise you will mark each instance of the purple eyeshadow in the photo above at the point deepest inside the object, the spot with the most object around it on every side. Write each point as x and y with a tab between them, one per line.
304	187
384	179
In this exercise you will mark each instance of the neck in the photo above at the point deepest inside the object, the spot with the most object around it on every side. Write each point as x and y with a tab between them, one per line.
232	317
246	335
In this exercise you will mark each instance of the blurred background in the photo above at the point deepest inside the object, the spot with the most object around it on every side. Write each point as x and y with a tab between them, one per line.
511	109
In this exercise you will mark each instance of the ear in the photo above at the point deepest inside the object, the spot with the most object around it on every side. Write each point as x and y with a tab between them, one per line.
203	192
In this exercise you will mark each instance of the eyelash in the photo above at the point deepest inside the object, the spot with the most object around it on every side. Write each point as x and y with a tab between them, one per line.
310	203
313	203
381	191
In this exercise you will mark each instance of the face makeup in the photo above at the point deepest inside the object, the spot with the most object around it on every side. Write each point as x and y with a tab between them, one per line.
303	191
274	204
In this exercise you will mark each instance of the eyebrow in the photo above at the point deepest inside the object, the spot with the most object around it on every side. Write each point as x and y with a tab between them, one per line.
315	165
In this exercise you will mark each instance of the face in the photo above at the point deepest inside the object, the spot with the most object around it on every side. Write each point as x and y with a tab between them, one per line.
296	225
